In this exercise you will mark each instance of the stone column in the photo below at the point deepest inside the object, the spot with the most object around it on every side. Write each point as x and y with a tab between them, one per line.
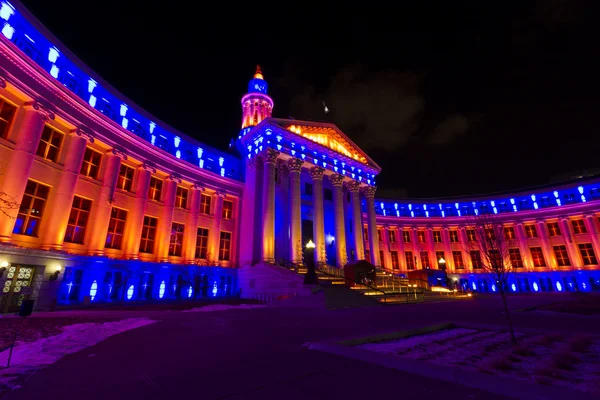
21	159
62	196
387	261
546	248
316	173
102	207
465	244
340	227
248	215
215	228
191	225
572	250
357	225
590	226
165	223
369	192
400	246
430	246
268	209
448	256
524	247
135	216
295	167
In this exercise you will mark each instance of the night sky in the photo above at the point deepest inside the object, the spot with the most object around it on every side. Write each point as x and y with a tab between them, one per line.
449	100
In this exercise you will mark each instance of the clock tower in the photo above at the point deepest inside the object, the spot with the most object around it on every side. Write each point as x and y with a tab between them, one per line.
256	104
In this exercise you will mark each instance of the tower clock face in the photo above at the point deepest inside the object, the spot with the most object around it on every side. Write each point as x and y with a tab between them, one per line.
259	87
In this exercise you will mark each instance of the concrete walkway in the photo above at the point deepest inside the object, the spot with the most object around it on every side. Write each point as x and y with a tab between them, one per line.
259	354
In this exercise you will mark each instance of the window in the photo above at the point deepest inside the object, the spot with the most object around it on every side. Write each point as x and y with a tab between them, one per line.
126	178
410	261
366	233
31	209
181	197
530	231
437	236
176	241
116	226
538	257
205	204
7	113
587	253
224	246
458	260
562	257
202	243
489	234
495	259
406	236
379	238
421	236
509	233
49	145
227	212
553	229
308	188
327	194
148	235
471	235
453	236
91	163
395	261
392	236
439	255
476	259
155	189
578	226
425	260
381	258
78	219
515	258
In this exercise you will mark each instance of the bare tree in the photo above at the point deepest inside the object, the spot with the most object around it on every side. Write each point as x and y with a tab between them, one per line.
7	202
490	250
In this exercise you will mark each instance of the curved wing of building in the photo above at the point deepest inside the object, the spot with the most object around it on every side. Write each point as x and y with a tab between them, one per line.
101	201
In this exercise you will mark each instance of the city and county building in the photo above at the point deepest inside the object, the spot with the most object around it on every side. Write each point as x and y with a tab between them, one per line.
101	201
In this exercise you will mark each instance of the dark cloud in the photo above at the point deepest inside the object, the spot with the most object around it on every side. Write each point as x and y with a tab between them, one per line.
453	126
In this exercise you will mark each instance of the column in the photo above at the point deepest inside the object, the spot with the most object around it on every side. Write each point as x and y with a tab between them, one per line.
400	246
215	227
357	226
268	209
387	261
62	197
430	246
340	228
546	248
465	244
165	223
102	207
369	192
135	215
316	173
447	250
20	163
590	226
247	239
524	247
191	225
295	167
572	250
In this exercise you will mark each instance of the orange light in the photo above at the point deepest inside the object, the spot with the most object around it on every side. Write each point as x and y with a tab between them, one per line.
258	74
328	138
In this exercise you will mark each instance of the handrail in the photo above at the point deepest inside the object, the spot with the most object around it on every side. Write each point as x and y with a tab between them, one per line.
11	347
320	269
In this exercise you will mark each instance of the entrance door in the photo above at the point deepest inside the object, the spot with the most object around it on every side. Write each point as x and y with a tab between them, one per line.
16	288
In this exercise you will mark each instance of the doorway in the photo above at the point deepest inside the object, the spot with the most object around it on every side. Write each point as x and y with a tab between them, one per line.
17	287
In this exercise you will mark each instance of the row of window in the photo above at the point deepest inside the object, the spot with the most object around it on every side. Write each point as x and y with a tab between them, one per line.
560	251
578	226
32	210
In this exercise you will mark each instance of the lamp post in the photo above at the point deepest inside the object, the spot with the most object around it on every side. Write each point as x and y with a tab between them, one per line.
311	275
442	263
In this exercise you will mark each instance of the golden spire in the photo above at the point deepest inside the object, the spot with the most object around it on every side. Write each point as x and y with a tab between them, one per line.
258	74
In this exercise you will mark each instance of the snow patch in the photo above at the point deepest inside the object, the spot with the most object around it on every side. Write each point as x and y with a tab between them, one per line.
223	307
29	356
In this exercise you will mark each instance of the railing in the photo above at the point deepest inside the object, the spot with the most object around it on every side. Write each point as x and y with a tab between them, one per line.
271	297
10	350
324	268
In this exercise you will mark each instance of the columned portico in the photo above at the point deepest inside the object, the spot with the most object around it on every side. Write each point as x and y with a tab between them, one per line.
295	167
369	192
357	226
268	249
340	228
316	173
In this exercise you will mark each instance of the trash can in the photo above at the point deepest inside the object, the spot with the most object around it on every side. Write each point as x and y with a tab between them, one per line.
26	308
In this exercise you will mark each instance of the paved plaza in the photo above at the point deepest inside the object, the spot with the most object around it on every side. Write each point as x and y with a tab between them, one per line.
260	354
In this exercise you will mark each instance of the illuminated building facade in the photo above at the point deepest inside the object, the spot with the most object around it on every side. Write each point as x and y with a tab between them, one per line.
103	202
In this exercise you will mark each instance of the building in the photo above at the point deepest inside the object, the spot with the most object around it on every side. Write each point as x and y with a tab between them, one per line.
101	201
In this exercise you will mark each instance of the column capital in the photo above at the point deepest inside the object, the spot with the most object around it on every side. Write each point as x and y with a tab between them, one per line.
220	193
353	186
316	173
2	83
174	177
119	152
295	164
336	179
147	165
251	163
369	191
269	155
589	215
83	132
44	112
199	186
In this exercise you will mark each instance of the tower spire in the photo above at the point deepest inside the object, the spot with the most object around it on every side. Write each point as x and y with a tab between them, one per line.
256	104
258	74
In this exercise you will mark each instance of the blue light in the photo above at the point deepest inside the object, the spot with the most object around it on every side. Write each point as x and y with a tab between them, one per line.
293	152
278	147
130	292
410	206
555	194
161	290
93	290
580	189
395	206
512	201
178	154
